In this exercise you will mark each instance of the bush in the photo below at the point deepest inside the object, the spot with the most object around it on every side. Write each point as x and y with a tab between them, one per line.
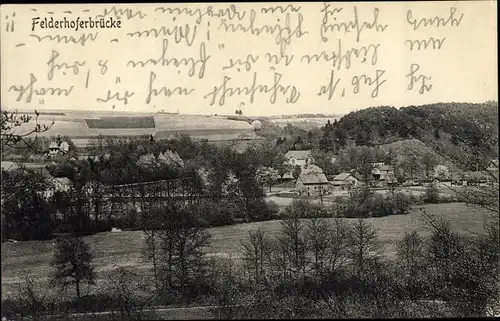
431	194
376	205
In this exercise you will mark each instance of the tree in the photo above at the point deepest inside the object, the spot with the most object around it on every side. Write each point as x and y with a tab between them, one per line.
124	288
365	163
267	176
256	253
441	172
317	234
411	262
429	161
296	172
26	214
410	165
12	121
363	247
292	240
72	263
182	241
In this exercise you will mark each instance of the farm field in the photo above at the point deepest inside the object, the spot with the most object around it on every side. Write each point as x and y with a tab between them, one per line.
304	123
124	248
75	125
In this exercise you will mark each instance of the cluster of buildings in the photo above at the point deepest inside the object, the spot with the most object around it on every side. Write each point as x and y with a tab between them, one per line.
312	181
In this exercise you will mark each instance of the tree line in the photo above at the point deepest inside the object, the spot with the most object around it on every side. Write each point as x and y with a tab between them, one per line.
311	267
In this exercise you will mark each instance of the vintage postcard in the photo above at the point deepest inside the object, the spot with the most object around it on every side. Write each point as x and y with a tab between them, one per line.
249	160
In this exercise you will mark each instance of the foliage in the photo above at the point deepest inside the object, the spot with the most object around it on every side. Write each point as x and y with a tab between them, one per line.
12	121
450	128
72	263
26	214
296	172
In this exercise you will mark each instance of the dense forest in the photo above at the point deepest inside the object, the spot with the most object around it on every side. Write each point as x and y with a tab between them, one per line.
448	128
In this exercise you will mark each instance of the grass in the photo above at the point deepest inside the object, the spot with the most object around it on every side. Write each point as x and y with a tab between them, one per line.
124	248
121	122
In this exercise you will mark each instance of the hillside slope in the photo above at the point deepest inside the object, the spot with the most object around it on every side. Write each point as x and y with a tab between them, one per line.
451	129
403	148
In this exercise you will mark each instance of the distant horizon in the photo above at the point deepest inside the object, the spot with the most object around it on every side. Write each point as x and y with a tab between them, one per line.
229	114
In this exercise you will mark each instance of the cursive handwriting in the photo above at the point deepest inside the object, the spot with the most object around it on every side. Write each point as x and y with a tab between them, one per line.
54	66
223	91
274	59
178	32
116	96
283	34
65	39
164	90
190	62
231	13
424	44
129	13
280	9
418	79
247	63
28	91
370	81
435	21
339	58
331	88
353	25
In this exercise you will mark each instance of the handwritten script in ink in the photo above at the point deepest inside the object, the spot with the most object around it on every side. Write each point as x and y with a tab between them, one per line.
218	57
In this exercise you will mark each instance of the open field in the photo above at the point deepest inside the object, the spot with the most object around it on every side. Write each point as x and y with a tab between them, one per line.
304	123
82	126
124	248
74	123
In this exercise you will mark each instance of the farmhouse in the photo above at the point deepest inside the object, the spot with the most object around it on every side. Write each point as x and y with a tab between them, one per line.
298	157
57	149
312	182
441	182
343	182
386	171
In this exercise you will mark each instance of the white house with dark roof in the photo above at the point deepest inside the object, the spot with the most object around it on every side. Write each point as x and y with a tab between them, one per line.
312	182
343	182
299	157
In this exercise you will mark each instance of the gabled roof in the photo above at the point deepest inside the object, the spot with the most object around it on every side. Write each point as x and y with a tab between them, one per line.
343	176
313	178
298	154
53	145
313	174
63	180
386	168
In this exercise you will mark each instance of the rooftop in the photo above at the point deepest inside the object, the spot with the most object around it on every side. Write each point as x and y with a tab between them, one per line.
313	175
342	176
298	154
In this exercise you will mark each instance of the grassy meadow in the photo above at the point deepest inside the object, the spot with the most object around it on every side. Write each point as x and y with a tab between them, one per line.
124	248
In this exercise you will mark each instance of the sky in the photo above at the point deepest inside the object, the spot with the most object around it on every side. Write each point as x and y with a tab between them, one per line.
198	60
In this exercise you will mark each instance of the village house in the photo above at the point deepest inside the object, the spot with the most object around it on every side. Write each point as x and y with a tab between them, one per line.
57	149
344	182
493	165
442	182
299	157
312	182
386	171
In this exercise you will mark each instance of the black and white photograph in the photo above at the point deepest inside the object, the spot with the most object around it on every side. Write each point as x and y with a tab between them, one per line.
249	160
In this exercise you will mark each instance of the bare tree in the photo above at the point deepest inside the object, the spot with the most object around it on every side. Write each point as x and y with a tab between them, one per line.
256	253
363	247
292	239
12	121
411	261
317	234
